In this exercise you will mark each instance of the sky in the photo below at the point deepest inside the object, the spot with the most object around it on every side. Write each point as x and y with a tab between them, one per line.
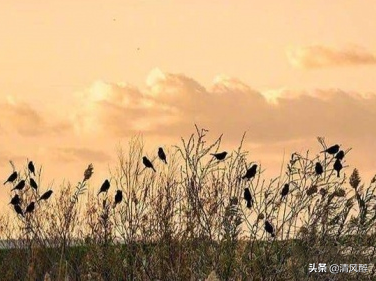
79	78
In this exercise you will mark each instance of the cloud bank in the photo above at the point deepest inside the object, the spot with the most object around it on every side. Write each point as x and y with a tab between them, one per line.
311	57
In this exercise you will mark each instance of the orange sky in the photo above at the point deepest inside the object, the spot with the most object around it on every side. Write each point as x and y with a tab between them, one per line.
79	77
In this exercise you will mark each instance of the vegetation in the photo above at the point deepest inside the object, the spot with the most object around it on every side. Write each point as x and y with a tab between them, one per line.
189	220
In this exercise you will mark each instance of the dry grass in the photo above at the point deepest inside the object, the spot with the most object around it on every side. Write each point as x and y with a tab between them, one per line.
189	221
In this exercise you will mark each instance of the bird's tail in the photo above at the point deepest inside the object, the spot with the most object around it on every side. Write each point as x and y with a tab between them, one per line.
5	182
338	174
153	169
273	234
12	189
165	161
99	193
249	204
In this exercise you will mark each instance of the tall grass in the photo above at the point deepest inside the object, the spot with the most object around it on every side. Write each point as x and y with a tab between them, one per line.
189	221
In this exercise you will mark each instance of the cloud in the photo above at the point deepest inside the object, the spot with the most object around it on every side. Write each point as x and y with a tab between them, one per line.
172	103
20	117
311	57
72	154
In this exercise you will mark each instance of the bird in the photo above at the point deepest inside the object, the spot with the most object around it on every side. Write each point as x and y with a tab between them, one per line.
318	168
340	155
18	210
220	156
33	184
118	197
248	197
332	150
16	200
45	195
105	186
162	155
251	172
31	167
285	190
19	185
147	163
30	208
12	177
269	228
337	166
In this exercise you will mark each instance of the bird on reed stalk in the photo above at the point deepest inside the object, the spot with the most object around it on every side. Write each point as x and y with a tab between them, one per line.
19	185
33	184
16	200
332	150
105	186
340	155
12	177
18	210
118	197
162	155
319	169
220	156
285	190
248	197
31	167
147	163
45	195
30	208
251	172
269	228
337	167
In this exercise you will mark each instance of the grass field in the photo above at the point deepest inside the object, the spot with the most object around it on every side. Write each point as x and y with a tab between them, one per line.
189	220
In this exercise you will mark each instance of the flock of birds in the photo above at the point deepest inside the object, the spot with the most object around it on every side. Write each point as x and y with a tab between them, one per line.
16	199
250	173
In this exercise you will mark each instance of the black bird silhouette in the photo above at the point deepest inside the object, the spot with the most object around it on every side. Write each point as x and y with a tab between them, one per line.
319	169
340	155
248	197
251	172
162	155
16	200
33	184
285	190
12	177
269	228
30	208
31	167
45	195
332	150
118	197
337	166
147	163
18	210
220	156
19	185
105	186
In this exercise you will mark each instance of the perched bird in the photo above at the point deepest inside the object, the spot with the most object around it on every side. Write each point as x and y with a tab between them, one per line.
319	169
105	186
30	208
340	155
269	228
33	184
18	210
251	172
332	150
31	167
162	155
16	200
285	190
12	177
19	185
45	195
147	163
118	197
337	166
248	197
220	156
